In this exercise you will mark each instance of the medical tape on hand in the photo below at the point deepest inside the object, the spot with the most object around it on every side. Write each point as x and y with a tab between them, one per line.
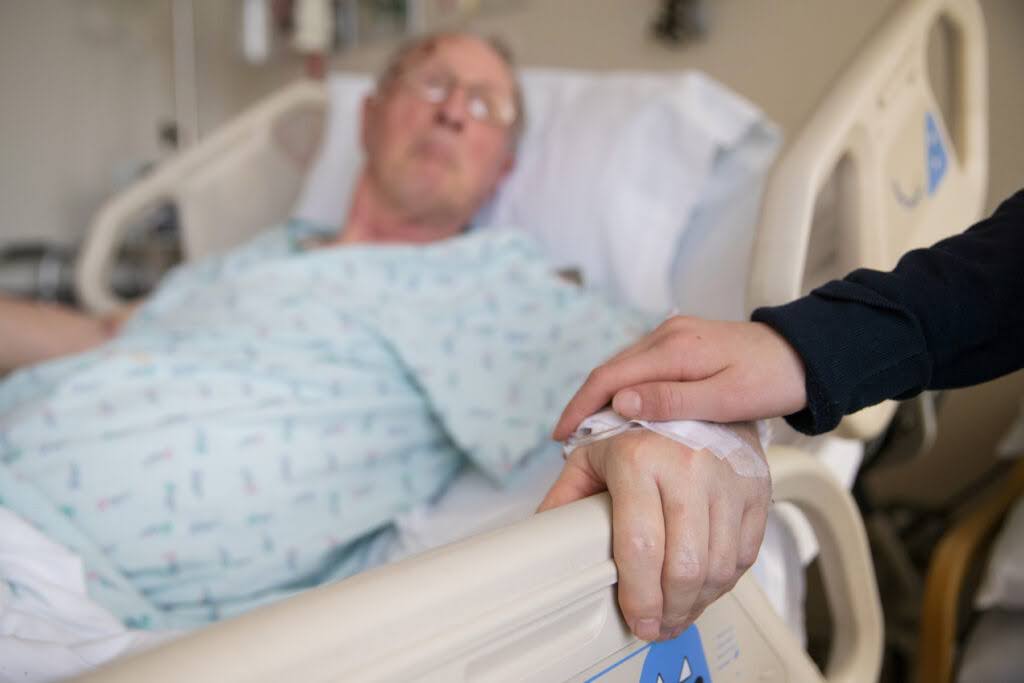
715	438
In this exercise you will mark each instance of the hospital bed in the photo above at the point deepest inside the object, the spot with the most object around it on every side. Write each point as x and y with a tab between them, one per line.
535	600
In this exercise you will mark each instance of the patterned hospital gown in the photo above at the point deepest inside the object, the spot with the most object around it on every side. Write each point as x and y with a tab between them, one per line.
268	411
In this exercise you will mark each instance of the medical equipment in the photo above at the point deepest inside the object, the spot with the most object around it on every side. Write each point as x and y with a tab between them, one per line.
256	30
535	600
681	20
38	270
716	439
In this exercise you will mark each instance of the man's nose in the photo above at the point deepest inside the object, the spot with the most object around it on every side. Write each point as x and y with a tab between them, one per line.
451	112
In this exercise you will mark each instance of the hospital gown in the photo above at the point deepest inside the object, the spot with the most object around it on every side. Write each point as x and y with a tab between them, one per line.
268	412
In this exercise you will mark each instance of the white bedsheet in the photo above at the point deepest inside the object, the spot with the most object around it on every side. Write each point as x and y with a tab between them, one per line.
49	627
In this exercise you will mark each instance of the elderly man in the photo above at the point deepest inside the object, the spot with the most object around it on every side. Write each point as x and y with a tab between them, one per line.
253	425
439	135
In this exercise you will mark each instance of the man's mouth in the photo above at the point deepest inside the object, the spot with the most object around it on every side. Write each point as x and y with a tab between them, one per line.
437	148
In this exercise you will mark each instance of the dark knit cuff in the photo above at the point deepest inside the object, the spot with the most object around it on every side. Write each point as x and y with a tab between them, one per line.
858	349
821	415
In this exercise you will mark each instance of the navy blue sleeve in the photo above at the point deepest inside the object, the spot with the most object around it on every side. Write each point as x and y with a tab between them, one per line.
947	316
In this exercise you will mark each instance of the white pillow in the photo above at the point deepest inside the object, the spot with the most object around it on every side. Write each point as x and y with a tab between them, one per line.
713	251
609	173
323	201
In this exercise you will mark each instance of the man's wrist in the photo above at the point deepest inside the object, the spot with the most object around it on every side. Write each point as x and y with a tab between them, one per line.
744	452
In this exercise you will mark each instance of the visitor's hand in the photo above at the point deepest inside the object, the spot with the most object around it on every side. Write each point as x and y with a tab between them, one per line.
695	369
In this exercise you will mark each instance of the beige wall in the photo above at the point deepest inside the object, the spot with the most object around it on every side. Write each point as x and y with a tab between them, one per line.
1005	21
81	90
782	54
225	82
85	86
85	83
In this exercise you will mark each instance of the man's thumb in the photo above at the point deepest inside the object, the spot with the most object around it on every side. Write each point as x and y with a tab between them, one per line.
572	484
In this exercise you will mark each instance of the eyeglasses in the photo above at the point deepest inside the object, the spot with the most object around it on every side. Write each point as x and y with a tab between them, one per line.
436	83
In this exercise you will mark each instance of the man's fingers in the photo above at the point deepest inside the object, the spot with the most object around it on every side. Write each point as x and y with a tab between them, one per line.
723	539
686	552
574	483
752	528
638	545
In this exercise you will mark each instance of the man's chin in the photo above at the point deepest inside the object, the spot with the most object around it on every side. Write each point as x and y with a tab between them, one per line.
433	207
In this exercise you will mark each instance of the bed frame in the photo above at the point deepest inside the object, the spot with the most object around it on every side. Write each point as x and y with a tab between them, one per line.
536	600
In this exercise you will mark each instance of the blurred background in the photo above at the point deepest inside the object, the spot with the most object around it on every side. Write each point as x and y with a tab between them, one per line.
95	93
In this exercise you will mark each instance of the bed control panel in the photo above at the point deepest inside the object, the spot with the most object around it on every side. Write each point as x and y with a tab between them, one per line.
679	660
728	643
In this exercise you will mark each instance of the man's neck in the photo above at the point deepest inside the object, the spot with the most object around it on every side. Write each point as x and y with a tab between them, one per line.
372	219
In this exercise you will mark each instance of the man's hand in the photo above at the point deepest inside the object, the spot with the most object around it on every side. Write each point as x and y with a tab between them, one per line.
685	526
33	331
695	369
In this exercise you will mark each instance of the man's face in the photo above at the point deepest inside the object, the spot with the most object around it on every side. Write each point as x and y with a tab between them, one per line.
430	149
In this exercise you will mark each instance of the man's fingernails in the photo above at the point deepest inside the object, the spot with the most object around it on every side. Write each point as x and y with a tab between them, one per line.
627	403
647	629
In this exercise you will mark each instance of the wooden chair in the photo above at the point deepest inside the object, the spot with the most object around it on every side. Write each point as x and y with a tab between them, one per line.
951	565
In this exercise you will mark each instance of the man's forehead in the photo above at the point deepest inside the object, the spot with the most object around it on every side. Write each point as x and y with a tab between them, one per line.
473	59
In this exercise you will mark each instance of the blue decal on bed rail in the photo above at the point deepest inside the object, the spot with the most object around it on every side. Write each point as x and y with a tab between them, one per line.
680	660
907	200
938	159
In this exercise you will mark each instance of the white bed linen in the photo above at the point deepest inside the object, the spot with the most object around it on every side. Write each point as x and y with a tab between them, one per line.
49	627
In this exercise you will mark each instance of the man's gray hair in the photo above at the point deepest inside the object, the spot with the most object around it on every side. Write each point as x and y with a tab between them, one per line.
417	47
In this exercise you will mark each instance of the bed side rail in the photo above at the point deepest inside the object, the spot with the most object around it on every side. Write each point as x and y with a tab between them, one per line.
243	178
879	153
